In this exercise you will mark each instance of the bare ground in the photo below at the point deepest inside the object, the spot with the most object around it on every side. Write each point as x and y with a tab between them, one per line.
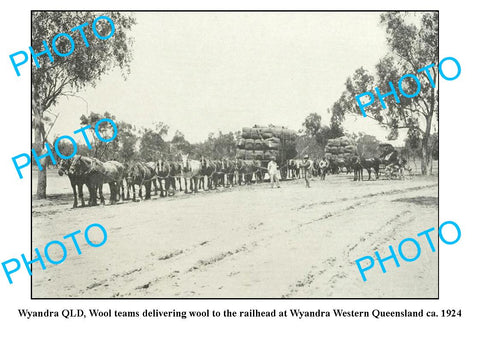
251	241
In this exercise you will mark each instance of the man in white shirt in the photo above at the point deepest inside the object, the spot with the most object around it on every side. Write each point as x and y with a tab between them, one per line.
323	166
308	165
272	168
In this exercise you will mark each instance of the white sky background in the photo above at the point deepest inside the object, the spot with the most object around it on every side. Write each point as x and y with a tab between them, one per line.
210	72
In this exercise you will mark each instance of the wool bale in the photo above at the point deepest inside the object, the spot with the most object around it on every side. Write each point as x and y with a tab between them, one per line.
349	157
241	143
259	155
240	153
333	149
246	132
271	153
350	148
273	143
334	142
259	144
267	133
256	133
277	132
249	154
344	141
249	144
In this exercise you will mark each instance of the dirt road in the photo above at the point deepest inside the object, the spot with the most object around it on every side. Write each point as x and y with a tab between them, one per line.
251	241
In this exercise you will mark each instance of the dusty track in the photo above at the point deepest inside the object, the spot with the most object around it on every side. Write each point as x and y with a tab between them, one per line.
246	242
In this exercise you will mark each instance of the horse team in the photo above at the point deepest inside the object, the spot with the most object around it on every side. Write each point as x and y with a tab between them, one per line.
394	166
165	176
93	173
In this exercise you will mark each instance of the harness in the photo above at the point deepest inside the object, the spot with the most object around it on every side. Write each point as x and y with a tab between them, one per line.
143	180
172	168
204	162
89	170
188	167
65	166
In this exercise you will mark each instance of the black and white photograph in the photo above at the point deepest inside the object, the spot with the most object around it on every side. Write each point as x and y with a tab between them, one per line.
235	154
242	170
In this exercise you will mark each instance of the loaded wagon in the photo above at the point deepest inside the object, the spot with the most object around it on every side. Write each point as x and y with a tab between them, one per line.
340	152
262	143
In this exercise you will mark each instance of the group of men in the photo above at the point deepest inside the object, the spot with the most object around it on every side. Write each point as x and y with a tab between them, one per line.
274	172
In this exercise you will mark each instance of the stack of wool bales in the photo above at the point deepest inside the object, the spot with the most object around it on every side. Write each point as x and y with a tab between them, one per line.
264	142
341	148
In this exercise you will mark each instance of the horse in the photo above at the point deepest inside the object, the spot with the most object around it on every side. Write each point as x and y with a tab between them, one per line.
191	169
225	170
162	169
369	164
96	173
174	174
140	174
341	163
114	175
229	171
316	168
219	175
294	167
349	162
208	169
261	171
76	182
334	166
248	169
153	167
91	169
357	168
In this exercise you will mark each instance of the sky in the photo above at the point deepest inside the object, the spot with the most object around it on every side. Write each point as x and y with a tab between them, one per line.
208	72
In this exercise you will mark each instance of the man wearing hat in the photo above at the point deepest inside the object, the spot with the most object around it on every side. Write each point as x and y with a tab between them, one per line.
273	172
307	164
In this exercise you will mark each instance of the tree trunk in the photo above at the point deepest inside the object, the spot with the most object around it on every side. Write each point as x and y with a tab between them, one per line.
38	145
426	160
42	181
426	150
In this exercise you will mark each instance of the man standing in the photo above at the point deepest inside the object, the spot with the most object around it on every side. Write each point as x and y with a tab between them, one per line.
307	164
323	166
273	172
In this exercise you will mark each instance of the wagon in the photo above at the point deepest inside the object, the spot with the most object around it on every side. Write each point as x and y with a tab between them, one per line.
263	143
